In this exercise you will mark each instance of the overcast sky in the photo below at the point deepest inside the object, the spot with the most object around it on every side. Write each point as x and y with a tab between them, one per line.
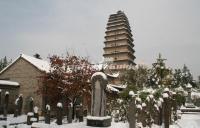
171	27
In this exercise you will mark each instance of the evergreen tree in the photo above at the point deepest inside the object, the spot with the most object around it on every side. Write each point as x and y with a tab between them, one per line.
4	62
36	55
1	64
177	77
160	75
135	78
186	76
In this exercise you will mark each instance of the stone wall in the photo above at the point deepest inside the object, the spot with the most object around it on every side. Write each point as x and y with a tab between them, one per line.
29	79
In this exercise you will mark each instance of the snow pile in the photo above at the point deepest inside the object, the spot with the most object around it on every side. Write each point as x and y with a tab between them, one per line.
98	118
59	105
159	103
138	106
166	90
30	114
31	98
11	83
179	89
35	109
99	74
120	86
189	85
138	99
165	95
7	93
156	106
131	93
16	101
161	99
144	105
151	96
195	95
48	107
148	90
33	119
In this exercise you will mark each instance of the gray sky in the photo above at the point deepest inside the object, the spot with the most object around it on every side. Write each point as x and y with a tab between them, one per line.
171	27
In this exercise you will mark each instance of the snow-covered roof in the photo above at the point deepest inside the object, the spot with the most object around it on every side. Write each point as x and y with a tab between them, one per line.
42	65
100	66
120	86
39	63
10	83
110	88
115	75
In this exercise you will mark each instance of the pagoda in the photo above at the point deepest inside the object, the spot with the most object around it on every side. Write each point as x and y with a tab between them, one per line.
119	42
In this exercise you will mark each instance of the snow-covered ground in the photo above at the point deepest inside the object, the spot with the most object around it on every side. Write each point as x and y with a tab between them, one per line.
190	120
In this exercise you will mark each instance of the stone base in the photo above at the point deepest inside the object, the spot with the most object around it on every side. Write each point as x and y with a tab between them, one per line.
99	121
189	105
190	109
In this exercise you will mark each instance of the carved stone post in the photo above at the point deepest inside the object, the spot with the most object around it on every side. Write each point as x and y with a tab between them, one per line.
31	104
132	111
81	113
160	116
47	114
20	104
98	107
144	115
166	112
69	116
0	97
59	113
16	112
6	101
36	115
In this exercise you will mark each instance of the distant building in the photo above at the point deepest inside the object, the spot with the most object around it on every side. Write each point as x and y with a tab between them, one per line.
119	42
23	76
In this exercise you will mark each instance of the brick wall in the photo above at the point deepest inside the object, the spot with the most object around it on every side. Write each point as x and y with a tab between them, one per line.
29	79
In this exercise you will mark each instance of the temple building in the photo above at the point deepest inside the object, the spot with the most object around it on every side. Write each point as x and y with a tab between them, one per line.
119	42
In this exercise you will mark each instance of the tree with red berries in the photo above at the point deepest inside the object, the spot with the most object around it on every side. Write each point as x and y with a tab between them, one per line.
68	80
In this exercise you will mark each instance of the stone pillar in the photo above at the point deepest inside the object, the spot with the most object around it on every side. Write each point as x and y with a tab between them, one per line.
59	113
166	112
47	114
29	116
132	111
144	115
81	113
189	103
36	115
99	97
160	116
16	112
174	106
98	107
0	98
69	116
30	106
20	104
6	101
